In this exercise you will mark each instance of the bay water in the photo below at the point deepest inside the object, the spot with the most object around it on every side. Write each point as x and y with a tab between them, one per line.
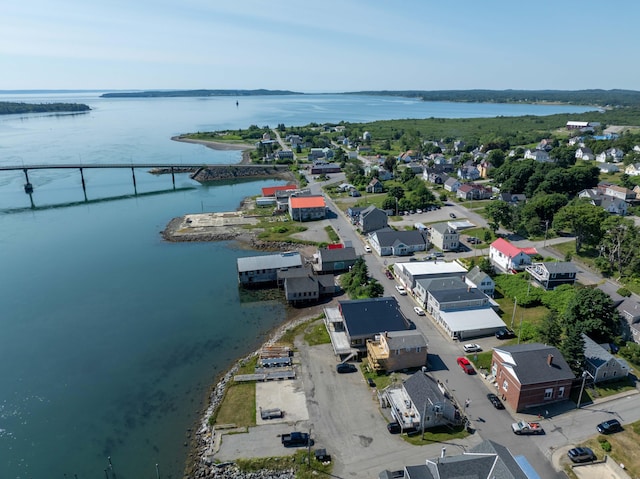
110	337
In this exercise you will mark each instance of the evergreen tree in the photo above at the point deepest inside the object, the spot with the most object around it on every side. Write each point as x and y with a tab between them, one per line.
572	348
550	330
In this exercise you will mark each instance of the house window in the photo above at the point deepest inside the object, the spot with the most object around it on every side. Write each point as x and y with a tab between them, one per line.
548	393
418	349
561	392
505	386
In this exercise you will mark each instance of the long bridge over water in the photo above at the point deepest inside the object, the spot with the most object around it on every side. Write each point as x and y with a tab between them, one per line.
163	168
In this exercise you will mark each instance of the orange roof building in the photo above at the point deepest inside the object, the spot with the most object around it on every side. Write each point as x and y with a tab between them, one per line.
307	208
272	190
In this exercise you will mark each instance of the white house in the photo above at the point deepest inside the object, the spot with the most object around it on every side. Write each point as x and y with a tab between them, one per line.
538	155
585	153
633	169
508	257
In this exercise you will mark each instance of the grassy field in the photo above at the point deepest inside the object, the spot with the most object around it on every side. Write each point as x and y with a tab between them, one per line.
299	462
624	448
239	405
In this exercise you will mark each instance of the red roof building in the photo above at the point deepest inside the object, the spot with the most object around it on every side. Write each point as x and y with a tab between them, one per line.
272	190
509	257
307	208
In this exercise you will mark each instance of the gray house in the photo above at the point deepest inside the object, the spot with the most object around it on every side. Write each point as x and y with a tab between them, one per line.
335	260
487	460
553	273
398	243
444	237
372	219
476	278
423	286
601	364
421	402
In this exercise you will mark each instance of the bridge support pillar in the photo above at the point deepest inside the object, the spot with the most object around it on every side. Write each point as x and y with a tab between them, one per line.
133	175
84	185
173	178
28	187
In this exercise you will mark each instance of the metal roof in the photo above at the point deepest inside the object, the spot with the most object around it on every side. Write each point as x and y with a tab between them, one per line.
271	261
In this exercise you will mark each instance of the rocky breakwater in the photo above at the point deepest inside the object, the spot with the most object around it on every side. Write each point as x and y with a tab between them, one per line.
224	172
201	463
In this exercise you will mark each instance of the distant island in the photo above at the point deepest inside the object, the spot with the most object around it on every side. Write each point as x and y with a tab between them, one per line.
601	98
196	93
12	108
576	97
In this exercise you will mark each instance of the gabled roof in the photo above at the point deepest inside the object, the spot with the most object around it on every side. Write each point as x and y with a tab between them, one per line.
506	248
364	317
338	254
559	267
530	363
423	390
443	228
405	339
476	275
391	238
487	460
595	354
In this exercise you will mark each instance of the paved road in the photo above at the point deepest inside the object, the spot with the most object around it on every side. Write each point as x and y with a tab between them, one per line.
378	450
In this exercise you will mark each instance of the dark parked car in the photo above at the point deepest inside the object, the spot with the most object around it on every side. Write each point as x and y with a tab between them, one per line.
452	215
495	400
581	454
394	428
388	274
610	426
371	382
505	333
343	368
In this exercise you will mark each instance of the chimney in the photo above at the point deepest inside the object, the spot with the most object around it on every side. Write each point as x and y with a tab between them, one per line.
550	360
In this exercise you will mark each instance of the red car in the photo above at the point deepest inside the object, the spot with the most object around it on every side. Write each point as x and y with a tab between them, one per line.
466	365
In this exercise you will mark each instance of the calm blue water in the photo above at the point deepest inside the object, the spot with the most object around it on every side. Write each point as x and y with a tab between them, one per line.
110	338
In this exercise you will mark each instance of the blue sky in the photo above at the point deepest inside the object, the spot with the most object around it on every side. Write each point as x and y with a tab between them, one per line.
326	46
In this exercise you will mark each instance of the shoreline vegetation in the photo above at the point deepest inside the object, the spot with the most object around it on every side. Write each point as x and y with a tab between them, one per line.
599	97
13	108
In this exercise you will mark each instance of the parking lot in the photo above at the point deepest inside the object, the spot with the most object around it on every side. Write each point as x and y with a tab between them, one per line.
344	417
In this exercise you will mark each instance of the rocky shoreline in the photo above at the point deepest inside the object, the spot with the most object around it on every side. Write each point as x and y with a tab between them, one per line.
200	463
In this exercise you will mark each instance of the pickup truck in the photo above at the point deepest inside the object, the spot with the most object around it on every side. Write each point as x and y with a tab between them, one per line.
523	427
295	439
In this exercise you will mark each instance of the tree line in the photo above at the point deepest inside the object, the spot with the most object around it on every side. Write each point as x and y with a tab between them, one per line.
12	108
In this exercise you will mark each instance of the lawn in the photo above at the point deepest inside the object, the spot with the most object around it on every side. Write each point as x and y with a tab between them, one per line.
532	316
239	405
624	447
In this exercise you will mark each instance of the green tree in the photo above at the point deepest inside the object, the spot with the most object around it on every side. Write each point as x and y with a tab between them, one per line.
582	219
550	330
592	311
619	245
407	175
500	213
572	348
374	289
396	192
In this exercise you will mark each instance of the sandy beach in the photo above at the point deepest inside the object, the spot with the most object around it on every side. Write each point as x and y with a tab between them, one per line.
221	146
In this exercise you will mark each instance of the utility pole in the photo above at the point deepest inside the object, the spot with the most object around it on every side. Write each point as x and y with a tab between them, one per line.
546	228
513	316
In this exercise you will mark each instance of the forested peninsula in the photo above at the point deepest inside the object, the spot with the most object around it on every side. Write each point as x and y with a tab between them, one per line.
12	108
195	93
578	97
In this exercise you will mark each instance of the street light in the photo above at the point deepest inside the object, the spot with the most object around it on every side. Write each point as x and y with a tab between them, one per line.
584	380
